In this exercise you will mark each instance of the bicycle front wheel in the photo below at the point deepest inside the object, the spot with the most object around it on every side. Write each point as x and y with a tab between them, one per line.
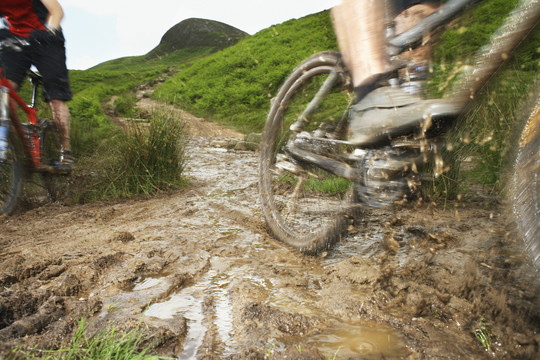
57	185
10	180
525	194
303	205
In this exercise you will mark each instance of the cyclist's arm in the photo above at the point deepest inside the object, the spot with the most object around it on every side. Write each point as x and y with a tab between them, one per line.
56	13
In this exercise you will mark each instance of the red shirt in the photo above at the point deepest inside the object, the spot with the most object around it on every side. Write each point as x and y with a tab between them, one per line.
24	16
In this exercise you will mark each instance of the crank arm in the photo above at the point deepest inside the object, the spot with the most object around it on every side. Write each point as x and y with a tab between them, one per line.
335	167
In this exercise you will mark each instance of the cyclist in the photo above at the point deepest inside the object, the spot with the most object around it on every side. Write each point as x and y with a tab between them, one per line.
360	29
38	21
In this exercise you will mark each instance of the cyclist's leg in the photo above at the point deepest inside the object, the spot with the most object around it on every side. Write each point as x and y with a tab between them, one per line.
15	65
360	30
408	14
359	27
60	112
50	59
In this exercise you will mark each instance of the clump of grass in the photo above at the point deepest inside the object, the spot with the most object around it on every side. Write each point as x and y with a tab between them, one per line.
150	158
482	333
147	158
107	344
124	105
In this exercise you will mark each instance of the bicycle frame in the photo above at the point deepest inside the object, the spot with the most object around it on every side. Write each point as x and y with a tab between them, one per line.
30	142
516	27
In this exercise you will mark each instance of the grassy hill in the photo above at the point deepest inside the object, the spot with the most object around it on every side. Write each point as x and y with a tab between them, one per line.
196	33
185	41
234	86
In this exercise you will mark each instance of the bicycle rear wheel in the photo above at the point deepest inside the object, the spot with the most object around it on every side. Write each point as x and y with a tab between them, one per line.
10	180
57	185
525	194
303	205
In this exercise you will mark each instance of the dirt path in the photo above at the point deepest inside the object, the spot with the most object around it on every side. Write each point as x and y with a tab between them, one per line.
199	270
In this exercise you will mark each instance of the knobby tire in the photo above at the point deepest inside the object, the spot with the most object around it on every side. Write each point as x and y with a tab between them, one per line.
295	210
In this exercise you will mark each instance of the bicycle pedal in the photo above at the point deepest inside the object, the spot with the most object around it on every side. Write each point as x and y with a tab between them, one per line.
284	164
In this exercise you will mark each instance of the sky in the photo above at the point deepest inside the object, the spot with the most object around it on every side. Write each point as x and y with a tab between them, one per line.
101	30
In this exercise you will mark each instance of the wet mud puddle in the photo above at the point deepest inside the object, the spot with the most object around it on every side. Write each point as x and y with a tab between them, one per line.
208	306
236	286
190	303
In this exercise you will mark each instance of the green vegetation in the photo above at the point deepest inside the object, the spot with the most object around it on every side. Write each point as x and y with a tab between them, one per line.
150	64
481	138
482	333
111	343
194	33
234	86
108	158
144	159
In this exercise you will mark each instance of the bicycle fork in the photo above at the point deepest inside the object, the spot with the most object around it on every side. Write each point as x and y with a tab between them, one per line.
4	123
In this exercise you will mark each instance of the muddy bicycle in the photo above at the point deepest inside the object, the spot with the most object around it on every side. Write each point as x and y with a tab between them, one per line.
28	147
317	170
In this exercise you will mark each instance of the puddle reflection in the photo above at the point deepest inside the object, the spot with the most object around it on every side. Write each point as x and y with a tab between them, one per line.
147	284
346	341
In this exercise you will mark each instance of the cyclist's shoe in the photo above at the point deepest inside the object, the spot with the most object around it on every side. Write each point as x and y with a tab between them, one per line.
388	107
389	112
66	164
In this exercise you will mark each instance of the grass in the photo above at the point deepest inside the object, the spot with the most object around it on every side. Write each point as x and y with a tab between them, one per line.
328	185
145	159
482	333
234	86
110	343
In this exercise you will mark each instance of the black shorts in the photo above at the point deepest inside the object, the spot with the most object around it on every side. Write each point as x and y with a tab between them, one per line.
47	53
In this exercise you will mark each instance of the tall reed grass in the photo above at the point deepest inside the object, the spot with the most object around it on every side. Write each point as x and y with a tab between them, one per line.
146	158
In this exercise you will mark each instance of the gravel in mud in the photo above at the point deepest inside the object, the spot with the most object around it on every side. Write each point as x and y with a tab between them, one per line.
198	269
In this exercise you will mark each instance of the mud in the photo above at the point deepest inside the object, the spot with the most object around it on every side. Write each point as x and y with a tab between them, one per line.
197	269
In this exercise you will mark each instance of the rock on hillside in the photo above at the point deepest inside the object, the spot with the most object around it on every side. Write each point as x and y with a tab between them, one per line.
196	33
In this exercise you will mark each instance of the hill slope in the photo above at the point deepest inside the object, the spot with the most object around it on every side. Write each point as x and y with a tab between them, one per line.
185	41
196	33
234	86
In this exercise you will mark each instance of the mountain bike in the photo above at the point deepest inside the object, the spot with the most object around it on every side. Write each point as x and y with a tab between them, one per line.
316	169
26	147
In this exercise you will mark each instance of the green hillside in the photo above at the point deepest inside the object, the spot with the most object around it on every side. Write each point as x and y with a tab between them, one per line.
234	86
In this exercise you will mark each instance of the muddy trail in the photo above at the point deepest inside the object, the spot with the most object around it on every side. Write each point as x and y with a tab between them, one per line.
198	270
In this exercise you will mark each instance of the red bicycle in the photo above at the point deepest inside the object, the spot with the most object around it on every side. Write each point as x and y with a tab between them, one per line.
28	147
